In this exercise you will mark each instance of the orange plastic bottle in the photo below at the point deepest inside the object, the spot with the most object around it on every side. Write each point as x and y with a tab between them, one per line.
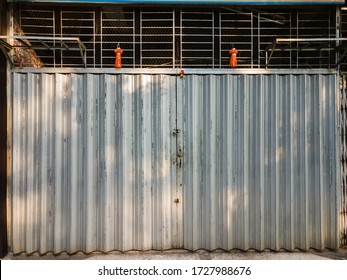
233	58
118	62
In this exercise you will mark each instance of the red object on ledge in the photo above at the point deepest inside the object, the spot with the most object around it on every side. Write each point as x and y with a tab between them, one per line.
118	62
233	58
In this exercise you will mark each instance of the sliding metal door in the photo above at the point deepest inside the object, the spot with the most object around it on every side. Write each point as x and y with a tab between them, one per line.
260	161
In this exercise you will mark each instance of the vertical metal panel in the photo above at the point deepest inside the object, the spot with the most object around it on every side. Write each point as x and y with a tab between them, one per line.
3	139
260	162
94	162
343	151
91	162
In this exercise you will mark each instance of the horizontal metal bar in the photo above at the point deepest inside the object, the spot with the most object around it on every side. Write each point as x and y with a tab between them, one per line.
41	38
35	26
196	13
116	20
47	47
77	12
42	18
78	19
197	20
74	27
286	40
117	13
301	49
158	20
118	27
175	71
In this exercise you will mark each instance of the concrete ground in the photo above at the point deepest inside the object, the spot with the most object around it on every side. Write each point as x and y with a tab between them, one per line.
340	254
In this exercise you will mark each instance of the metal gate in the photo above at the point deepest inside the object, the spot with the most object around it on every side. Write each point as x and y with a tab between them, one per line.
92	163
107	161
260	161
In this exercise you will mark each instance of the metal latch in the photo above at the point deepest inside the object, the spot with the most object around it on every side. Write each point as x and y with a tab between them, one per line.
180	153
179	156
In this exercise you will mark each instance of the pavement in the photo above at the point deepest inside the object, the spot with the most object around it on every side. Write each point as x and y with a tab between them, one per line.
326	254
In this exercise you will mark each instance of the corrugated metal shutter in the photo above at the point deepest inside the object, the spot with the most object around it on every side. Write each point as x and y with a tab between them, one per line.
91	162
94	163
260	166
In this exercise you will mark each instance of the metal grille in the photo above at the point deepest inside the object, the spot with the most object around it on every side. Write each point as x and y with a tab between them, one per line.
197	43
183	37
343	127
31	23
272	27
313	25
157	38
78	24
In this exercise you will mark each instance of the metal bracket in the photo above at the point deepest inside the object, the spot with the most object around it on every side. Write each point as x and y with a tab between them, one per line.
45	43
270	49
6	52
